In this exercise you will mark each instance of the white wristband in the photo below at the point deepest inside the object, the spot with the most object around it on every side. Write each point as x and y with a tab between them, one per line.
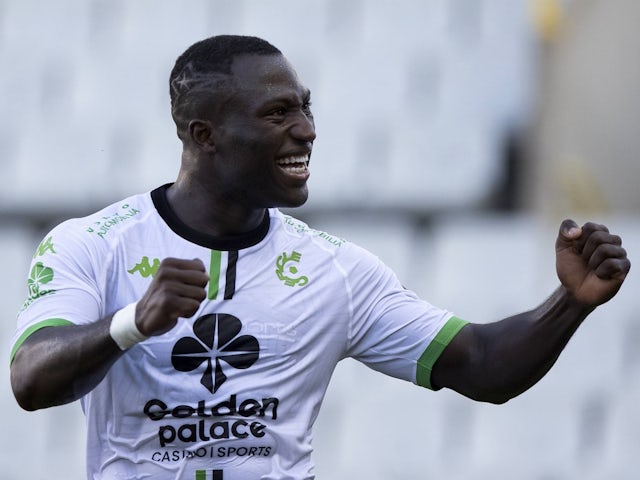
123	328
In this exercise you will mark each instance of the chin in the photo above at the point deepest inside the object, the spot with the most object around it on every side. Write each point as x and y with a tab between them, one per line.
296	200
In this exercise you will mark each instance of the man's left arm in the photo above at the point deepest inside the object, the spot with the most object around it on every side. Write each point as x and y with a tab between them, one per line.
497	361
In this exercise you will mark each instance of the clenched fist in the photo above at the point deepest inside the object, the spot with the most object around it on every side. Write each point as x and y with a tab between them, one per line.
591	262
177	290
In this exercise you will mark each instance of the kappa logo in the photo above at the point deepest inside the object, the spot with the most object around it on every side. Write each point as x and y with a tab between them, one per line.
217	342
145	268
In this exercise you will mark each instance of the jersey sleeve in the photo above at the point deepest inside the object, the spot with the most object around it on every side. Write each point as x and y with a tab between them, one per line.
392	330
61	285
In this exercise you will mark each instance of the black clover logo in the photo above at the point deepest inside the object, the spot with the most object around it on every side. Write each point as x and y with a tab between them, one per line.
217	340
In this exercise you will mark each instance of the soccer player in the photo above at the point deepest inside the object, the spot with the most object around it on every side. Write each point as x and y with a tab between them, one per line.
199	326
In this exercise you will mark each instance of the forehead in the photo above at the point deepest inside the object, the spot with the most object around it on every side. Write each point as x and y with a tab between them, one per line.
266	74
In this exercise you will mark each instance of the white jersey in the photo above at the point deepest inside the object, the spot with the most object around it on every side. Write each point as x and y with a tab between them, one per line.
231	393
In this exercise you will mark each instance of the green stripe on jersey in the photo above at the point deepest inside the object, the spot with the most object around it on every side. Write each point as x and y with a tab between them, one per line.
202	475
50	322
214	274
428	359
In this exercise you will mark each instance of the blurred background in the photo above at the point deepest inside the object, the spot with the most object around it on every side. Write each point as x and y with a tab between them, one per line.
453	137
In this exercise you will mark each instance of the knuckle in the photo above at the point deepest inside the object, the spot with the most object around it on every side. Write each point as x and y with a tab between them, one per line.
163	272
167	262
190	308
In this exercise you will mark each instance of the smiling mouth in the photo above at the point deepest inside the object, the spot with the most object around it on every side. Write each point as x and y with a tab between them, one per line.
298	164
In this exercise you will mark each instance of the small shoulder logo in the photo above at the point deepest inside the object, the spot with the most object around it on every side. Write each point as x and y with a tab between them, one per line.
285	266
101	227
40	275
145	268
45	246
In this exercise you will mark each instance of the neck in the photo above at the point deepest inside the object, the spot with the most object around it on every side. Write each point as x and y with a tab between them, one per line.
200	208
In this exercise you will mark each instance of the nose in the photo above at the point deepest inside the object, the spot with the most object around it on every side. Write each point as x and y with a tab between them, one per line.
304	128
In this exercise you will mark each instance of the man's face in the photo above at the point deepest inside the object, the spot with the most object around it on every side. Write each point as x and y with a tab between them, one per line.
264	134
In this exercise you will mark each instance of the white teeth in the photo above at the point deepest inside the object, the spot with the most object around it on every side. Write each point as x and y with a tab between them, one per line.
303	159
298	169
297	164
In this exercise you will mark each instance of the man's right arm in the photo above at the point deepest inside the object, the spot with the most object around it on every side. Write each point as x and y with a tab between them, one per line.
58	365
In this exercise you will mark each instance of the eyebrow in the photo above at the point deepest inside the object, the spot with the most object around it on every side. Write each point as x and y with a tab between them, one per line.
288	98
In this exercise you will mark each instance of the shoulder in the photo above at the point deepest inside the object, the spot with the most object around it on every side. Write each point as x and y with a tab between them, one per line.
345	253
114	218
101	226
296	228
88	240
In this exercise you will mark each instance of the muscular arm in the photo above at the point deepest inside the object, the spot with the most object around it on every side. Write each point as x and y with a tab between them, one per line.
58	365
497	361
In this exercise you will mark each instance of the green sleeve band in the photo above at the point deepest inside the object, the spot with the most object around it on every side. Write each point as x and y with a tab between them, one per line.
50	322
428	359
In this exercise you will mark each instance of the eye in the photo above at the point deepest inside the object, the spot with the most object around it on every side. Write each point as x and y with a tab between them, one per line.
279	112
306	107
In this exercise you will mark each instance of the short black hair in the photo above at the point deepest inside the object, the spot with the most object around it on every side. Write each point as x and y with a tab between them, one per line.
204	66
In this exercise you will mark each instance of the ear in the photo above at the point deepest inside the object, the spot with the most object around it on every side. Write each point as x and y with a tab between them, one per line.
201	133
